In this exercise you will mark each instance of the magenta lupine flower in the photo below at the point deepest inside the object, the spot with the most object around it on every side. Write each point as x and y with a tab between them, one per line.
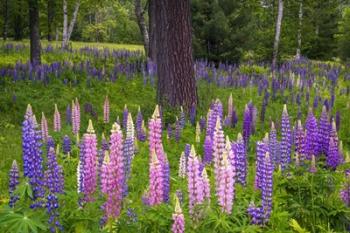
311	127
345	191
75	116
323	131
241	160
206	185
313	168
178	219
300	141
247	121
195	182
155	194
56	120
218	149
273	144
13	183
286	139
106	110
155	133
225	191
89	181
44	128
333	158
261	150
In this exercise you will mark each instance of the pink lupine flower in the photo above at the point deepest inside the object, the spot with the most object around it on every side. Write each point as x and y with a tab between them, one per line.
44	128
178	218
206	185
155	194
218	149
155	133
75	116
182	166
56	120
106	110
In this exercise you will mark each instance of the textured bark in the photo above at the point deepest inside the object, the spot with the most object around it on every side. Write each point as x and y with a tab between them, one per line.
299	29
277	34
139	12
50	18
35	47
67	31
5	29
152	54
176	82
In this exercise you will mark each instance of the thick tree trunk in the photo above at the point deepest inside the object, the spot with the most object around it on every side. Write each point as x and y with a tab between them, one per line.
139	12
176	82
277	34
5	29
50	18
35	47
299	29
67	31
152	54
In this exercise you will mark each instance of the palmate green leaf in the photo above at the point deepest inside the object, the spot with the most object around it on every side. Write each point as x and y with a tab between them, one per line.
296	227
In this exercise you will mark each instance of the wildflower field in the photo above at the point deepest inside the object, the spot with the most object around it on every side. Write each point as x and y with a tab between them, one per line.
84	147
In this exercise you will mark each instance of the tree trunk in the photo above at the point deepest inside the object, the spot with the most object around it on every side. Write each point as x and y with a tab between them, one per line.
50	18
277	34
152	50
176	82
35	47
299	29
5	29
67	31
139	12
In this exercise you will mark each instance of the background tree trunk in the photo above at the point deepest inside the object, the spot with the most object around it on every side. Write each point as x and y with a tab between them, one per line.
67	31
152	53
299	29
5	12
35	47
277	34
50	18
176	82
139	12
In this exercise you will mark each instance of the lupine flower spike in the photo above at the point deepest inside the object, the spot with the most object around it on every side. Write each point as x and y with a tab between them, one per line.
44	128
13	182
286	139
198	133
57	120
178	218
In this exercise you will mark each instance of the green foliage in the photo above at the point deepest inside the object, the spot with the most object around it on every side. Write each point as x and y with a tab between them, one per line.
344	37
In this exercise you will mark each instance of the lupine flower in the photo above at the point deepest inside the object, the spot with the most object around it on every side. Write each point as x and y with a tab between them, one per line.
226	179
75	116
312	147
286	139
140	132
44	128
195	183
166	179
32	160
54	179
253	115
155	194
178	129
182	166
208	150
193	114
66	145
198	133
313	168
241	160
182	119
230	107
247	121
211	121
300	141
106	110
345	191
273	144
266	188
104	143
333	158
261	150
206	185
56	120
128	149
155	132
125	116
51	207
334	135
218	149
89	150
13	182
178	219
256	214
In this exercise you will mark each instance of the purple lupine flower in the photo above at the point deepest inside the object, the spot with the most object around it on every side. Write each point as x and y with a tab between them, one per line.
52	210
54	179
266	188
334	135
104	143
68	115
206	185
89	150
13	182
208	150
32	154
193	114
155	195
312	147
256	214
178	219
247	121
345	191
211	121
333	158
140	132
261	149
66	145
166	179
273	143
106	110
128	149
286	139
226	190
300	142
323	131
218	150
125	117
56	120
195	183
241	160
44	128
